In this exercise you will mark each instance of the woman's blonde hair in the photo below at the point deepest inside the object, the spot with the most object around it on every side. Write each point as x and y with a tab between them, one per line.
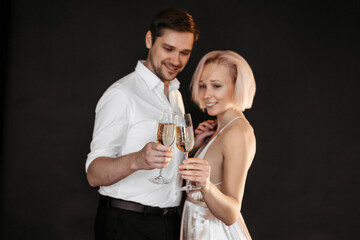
240	70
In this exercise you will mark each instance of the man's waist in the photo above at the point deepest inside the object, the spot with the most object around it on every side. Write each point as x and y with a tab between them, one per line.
137	207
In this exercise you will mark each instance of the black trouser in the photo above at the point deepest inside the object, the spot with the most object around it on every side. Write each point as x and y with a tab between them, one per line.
114	223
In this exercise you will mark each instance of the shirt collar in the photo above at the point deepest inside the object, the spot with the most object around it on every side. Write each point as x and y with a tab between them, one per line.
151	79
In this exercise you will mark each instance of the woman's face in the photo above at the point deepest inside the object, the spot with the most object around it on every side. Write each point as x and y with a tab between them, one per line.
216	88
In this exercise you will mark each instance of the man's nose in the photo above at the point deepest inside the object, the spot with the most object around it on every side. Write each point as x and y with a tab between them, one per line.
175	59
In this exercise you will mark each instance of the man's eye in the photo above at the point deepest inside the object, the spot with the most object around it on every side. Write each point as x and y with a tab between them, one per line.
185	53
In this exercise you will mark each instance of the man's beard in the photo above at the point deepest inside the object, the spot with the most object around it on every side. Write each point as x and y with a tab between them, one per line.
158	71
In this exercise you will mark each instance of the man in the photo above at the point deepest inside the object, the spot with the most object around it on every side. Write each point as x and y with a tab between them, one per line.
124	154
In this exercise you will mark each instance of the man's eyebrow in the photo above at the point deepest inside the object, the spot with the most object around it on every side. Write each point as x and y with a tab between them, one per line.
187	50
168	45
172	47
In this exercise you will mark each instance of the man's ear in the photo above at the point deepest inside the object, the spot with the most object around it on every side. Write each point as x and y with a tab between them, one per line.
148	39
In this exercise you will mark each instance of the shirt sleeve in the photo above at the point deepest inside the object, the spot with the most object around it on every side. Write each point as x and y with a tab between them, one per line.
111	125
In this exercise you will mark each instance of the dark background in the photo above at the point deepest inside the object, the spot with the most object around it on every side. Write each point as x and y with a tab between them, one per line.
58	58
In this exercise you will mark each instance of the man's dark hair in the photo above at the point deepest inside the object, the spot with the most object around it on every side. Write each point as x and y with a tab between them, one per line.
174	19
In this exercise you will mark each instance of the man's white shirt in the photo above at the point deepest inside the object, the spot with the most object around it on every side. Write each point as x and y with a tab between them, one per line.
126	120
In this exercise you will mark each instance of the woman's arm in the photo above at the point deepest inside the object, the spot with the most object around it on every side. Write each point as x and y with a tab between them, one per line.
237	147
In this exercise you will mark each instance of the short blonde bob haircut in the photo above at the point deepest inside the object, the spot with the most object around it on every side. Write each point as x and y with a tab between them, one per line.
242	75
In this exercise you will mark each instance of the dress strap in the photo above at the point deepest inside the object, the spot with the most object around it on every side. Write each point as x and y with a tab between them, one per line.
201	152
229	123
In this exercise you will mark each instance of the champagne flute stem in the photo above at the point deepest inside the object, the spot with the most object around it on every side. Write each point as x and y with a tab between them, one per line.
188	183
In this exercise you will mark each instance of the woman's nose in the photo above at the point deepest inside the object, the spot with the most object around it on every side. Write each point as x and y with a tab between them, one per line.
207	93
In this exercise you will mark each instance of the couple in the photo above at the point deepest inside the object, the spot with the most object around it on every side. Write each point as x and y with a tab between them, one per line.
124	154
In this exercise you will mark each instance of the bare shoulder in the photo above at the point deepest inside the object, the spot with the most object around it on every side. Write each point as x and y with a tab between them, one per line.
239	132
238	144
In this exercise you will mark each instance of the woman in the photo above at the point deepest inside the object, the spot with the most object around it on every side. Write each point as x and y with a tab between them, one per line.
224	85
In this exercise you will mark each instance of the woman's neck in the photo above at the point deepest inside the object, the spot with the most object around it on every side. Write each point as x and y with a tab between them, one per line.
225	117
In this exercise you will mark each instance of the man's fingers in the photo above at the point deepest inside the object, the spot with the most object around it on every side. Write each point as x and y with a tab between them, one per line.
160	147
161	165
160	154
155	155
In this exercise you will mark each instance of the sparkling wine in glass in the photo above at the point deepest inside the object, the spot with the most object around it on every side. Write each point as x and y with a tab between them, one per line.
185	141
165	136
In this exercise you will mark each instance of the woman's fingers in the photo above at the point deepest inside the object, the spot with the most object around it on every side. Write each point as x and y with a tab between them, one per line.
206	126
194	168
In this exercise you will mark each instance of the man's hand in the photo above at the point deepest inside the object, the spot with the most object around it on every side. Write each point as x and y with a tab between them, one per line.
153	155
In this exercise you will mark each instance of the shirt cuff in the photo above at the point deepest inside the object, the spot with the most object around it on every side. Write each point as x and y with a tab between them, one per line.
104	152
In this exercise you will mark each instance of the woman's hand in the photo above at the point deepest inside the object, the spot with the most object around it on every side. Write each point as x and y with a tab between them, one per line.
196	170
203	131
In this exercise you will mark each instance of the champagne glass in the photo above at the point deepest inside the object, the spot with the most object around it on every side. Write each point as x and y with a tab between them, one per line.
185	141
165	136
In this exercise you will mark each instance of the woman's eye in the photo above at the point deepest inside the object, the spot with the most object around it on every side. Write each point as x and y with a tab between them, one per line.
217	86
202	86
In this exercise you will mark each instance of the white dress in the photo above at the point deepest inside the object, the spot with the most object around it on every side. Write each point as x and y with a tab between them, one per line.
198	223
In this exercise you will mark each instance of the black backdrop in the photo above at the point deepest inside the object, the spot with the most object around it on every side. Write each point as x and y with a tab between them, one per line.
60	56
